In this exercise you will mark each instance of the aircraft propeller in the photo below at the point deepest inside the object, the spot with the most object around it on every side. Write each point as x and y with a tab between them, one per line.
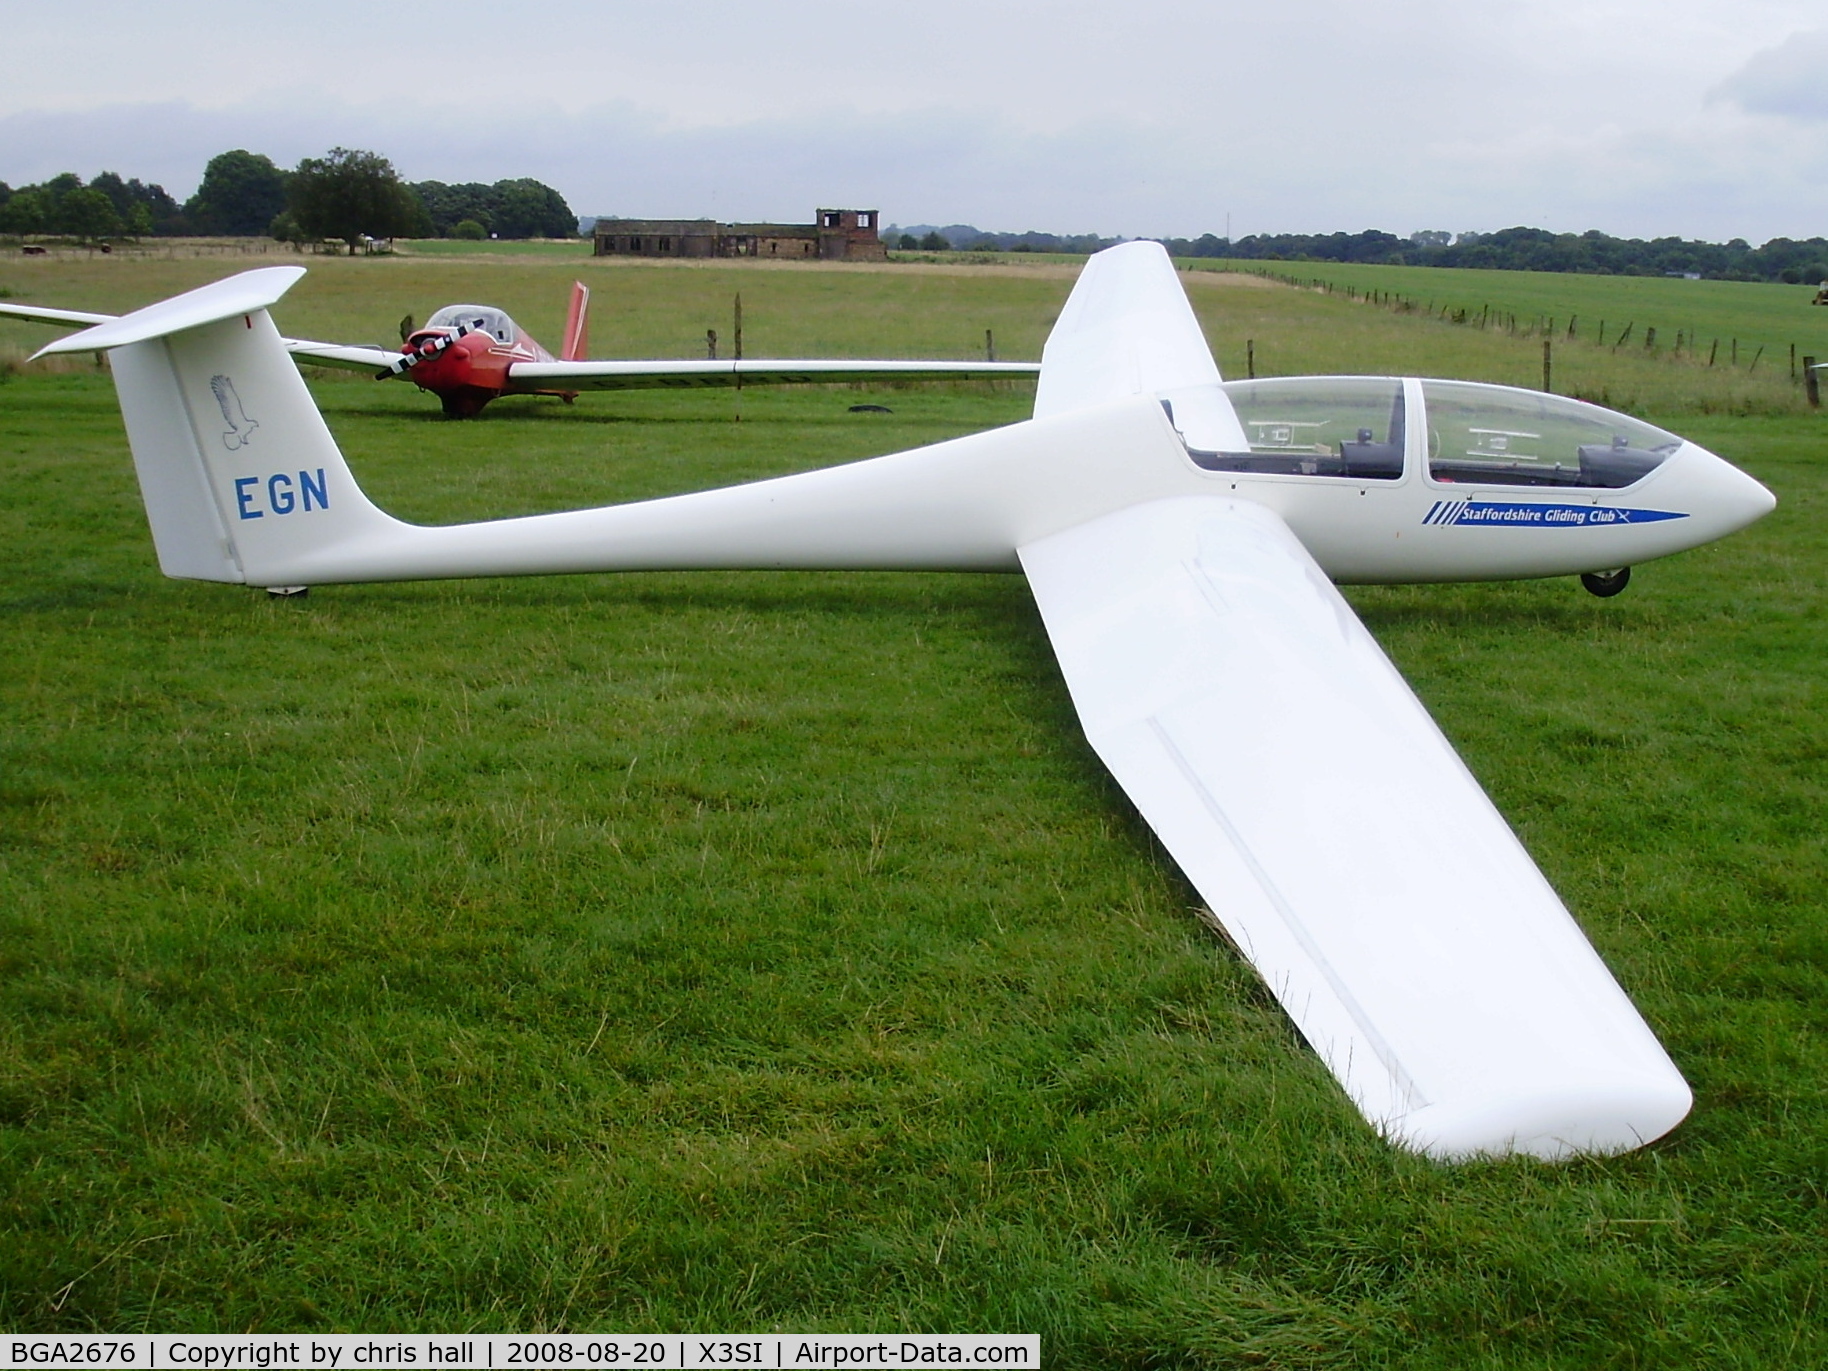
427	350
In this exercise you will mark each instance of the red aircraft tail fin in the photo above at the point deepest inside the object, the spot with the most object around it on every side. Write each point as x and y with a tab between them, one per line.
577	325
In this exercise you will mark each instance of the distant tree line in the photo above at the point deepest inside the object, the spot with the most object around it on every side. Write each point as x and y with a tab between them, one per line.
107	207
1531	249
963	237
346	194
521	208
1512	249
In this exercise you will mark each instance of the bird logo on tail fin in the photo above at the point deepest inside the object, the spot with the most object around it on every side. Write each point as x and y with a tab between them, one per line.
240	428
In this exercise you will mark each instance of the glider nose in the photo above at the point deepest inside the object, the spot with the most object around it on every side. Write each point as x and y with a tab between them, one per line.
1733	499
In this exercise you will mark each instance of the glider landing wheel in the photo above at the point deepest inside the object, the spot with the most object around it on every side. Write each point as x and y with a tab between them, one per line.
1606	584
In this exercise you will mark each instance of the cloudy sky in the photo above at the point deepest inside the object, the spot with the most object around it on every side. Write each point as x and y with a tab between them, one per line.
1702	118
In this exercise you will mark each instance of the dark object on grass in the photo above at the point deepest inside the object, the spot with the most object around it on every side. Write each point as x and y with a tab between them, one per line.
871	409
1606	584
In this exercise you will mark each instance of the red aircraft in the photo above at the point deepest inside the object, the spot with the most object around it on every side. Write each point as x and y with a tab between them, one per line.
468	355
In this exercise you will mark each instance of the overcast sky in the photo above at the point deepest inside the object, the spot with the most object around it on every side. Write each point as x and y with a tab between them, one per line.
1701	118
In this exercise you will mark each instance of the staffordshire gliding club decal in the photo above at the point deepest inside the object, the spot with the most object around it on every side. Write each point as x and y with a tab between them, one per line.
1532	514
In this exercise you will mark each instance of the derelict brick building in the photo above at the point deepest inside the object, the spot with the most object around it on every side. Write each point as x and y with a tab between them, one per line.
837	235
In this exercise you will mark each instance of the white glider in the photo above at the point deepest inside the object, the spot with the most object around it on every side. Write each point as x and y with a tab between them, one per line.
1182	537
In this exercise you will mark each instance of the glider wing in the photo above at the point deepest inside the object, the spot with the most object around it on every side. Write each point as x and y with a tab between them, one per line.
347	356
686	375
40	315
354	358
1338	838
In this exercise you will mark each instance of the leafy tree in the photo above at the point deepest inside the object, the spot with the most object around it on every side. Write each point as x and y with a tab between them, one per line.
522	208
240	193
527	209
285	229
27	210
348	193
470	229
907	242
141	204
88	214
110	184
449	206
934	241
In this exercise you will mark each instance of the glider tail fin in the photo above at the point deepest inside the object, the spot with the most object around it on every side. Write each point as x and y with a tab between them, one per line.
577	325
1128	329
240	477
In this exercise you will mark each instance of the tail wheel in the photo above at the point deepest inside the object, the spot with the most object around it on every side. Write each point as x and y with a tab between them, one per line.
1606	584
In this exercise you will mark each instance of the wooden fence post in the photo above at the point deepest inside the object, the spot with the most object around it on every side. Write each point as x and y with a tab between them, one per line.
739	356
1810	385
1546	374
1250	358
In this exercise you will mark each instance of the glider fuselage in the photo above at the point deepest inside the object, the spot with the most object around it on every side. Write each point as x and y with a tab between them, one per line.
968	504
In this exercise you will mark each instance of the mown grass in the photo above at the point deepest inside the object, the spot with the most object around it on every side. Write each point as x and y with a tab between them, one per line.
757	951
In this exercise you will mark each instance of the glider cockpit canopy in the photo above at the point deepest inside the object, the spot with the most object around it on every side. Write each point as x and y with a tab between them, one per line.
1358	427
477	319
1318	426
1497	435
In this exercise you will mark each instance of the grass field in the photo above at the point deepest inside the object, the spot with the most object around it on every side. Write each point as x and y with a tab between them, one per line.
1754	324
768	951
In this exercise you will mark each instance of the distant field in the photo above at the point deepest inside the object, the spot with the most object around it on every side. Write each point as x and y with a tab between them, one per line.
769	951
638	308
1755	314
941	306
